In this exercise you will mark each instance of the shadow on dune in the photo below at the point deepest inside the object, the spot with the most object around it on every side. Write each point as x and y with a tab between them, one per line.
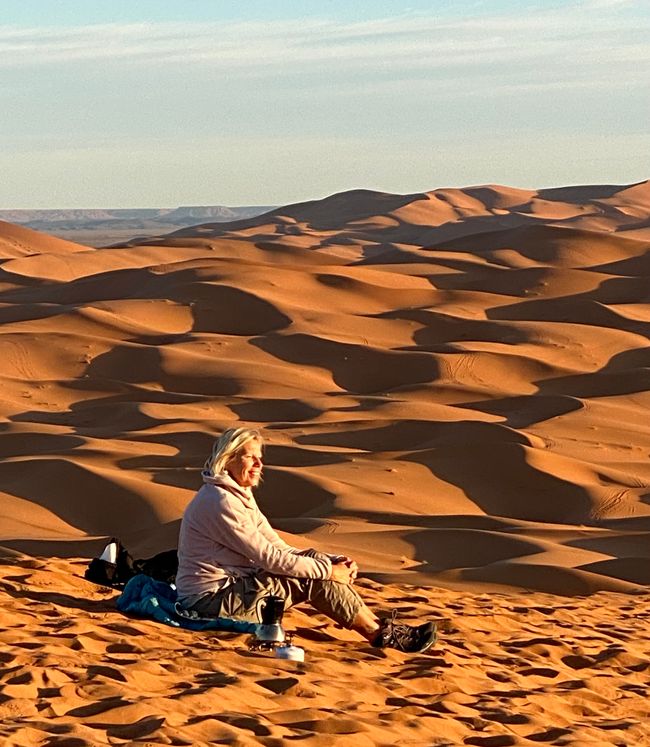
628	267
587	308
293	456
489	462
643	223
507	478
634	570
181	374
109	416
355	368
85	498
294	494
527	410
222	309
433	522
350	206
624	373
627	543
580	193
439	328
16	445
627	372
551	579
180	470
440	549
556	243
485	549
382	244
288	410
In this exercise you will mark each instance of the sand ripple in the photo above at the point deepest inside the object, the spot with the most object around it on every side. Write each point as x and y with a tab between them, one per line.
510	670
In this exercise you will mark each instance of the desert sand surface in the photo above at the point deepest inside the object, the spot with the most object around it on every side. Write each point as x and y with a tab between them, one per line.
454	388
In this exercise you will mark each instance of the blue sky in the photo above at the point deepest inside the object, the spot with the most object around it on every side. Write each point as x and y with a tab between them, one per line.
152	104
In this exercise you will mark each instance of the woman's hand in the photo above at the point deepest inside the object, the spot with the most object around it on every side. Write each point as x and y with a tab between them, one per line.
344	571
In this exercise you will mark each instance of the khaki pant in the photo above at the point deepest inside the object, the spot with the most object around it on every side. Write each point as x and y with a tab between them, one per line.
242	599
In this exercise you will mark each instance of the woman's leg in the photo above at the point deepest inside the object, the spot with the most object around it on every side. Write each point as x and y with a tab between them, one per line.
238	601
366	623
242	600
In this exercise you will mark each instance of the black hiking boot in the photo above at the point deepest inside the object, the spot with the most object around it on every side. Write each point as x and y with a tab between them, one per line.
411	639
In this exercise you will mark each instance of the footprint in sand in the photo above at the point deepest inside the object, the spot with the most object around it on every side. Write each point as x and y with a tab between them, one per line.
550	735
504	717
539	672
498	740
279	685
103	671
137	730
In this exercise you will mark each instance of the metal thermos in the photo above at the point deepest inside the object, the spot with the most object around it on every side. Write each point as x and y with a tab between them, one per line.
270	630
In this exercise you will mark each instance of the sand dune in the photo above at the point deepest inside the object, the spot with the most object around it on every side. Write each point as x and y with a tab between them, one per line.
18	241
500	372
454	387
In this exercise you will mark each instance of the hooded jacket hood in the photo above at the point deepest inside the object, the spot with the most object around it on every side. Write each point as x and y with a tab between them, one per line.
224	480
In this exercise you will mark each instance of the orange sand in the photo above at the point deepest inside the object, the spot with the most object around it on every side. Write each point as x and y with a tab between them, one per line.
454	390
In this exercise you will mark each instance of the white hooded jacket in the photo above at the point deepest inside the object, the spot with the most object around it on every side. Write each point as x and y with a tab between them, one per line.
225	536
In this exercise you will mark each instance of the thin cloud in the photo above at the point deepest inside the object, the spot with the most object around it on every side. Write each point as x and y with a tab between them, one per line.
407	40
595	4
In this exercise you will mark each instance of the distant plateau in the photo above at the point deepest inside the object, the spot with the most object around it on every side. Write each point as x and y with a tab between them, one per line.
106	226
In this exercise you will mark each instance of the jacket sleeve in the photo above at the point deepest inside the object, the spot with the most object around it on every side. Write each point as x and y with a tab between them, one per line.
239	531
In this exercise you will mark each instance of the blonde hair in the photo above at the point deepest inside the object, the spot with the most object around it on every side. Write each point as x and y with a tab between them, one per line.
227	446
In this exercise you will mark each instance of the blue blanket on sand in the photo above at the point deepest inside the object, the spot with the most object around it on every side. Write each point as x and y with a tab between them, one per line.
145	597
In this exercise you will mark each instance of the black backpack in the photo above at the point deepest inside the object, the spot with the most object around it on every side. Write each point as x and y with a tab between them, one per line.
162	567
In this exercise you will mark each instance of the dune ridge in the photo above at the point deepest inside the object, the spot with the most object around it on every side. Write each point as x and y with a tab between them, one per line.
454	388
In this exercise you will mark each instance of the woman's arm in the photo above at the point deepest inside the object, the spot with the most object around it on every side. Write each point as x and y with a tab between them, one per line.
335	559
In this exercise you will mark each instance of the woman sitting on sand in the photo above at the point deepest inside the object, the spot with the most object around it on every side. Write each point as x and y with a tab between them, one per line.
229	556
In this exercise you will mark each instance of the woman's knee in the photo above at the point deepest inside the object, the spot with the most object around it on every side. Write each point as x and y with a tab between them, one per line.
339	601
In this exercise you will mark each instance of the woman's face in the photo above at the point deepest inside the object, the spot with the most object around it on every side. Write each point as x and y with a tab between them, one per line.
245	467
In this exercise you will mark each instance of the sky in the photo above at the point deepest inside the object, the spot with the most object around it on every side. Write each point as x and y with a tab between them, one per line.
160	103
